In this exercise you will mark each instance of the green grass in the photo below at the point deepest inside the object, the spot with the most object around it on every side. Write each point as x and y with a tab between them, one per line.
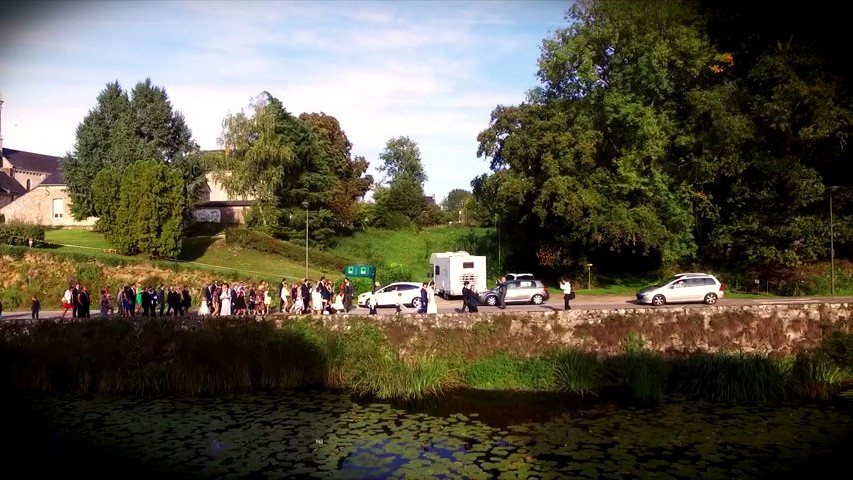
407	248
210	251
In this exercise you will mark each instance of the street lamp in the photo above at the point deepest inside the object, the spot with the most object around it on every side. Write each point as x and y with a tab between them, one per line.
305	206
588	276
831	244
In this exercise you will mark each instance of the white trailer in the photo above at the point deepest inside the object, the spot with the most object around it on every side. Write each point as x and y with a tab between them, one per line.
450	270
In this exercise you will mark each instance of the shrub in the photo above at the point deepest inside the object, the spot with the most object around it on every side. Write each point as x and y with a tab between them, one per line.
393	272
497	371
837	346
642	374
734	378
17	233
265	243
815	377
576	372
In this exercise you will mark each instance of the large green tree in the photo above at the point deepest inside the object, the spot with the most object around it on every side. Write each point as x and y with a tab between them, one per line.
281	161
146	213
122	129
401	203
663	133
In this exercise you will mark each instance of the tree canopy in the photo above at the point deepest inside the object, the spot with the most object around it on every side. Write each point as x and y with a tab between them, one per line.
120	130
281	161
647	142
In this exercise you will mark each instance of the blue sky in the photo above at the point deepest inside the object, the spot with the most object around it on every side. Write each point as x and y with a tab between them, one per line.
432	71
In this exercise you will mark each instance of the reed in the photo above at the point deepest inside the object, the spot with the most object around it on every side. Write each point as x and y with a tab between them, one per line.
577	373
734	378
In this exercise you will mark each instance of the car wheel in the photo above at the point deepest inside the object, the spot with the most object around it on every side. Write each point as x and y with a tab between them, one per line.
658	300
710	299
416	302
537	299
491	301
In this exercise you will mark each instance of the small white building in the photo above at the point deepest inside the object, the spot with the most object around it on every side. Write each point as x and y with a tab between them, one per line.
450	271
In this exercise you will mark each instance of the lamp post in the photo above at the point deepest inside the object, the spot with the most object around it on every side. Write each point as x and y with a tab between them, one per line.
588	276
831	245
305	206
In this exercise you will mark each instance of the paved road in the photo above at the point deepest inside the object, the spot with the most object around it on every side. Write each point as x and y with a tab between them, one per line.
597	302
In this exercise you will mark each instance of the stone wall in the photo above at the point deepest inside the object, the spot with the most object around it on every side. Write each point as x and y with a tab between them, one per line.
36	206
776	329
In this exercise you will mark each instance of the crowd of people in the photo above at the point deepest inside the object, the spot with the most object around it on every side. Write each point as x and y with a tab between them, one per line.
319	298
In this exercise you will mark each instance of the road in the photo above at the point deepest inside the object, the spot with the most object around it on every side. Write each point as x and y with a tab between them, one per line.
595	302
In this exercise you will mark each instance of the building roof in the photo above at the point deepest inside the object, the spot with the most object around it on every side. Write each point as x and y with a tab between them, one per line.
54	178
224	203
9	186
31	162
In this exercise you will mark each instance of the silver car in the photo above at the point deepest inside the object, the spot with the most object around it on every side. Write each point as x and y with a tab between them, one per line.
683	288
517	291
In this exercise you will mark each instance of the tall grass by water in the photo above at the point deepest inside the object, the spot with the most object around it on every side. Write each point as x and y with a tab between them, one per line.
165	356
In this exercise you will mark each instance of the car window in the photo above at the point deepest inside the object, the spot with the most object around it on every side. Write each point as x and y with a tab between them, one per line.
526	284
401	288
510	285
389	288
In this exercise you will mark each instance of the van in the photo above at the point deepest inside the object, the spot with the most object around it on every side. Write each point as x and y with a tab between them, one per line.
450	271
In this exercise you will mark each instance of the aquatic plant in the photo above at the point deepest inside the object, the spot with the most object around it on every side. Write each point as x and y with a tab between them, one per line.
733	378
643	375
814	376
576	372
497	371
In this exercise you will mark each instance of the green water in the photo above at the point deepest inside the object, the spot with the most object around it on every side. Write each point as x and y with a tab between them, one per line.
327	435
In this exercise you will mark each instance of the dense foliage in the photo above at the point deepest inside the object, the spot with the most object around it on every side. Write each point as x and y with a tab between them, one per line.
672	138
281	161
265	243
141	208
123	129
400	203
16	233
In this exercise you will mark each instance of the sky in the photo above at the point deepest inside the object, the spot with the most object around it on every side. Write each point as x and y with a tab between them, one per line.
429	70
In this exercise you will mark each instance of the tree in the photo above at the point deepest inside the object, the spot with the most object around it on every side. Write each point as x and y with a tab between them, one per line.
402	203
402	156
455	200
282	161
148	215
120	130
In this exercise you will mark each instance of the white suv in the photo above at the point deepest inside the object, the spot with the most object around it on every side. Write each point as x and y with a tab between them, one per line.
684	287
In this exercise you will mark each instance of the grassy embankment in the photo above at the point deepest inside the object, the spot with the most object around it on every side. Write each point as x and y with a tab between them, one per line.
226	355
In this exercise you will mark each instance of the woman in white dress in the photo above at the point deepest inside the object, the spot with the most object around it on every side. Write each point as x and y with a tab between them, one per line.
225	299
432	307
203	310
316	300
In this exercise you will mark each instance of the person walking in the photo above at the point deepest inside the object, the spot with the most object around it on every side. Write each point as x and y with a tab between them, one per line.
35	306
568	295
432	307
502	293
75	301
84	302
305	293
473	299
161	298
284	296
465	292
68	302
347	295
104	303
225	301
424	298
186	301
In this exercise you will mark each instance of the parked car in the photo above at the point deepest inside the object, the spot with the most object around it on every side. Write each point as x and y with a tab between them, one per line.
402	293
683	288
517	291
519	276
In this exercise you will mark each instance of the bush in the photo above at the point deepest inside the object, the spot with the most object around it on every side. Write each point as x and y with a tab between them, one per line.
734	378
642	374
815	377
17	233
576	372
838	346
265	243
498	371
393	272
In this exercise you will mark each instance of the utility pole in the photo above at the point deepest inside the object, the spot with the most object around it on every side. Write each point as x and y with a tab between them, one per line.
305	206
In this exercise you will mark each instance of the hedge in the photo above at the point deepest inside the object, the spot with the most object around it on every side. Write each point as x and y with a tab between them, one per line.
18	233
265	243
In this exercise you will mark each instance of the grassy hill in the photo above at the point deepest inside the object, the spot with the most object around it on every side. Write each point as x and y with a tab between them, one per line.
411	249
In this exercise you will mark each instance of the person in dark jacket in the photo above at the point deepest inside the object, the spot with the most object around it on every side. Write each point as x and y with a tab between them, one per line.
186	301
173	298
146	302
35	306
84	302
75	293
502	293
161	298
465	292
305	292
348	293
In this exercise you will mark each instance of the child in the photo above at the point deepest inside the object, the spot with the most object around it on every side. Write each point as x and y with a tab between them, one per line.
35	307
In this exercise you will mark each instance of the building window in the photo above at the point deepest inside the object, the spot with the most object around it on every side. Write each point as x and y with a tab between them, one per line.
28	184
58	207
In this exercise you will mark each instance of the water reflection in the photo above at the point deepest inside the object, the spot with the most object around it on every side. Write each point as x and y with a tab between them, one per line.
481	435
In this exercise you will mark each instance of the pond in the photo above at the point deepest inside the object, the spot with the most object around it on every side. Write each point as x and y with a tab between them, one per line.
330	435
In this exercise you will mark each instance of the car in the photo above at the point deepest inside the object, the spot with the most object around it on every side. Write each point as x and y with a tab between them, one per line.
519	276
393	294
684	288
517	291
